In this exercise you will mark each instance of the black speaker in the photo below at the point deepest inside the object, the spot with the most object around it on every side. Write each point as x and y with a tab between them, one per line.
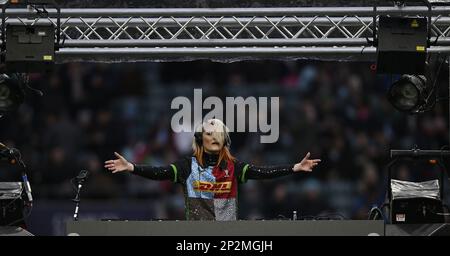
402	45
417	210
30	48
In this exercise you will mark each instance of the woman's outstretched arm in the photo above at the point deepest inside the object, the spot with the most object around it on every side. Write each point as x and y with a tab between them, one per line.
250	171
151	172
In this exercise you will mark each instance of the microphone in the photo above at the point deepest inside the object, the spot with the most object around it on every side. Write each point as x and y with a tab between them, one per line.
82	176
27	187
14	156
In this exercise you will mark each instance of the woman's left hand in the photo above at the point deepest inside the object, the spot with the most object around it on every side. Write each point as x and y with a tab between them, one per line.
306	165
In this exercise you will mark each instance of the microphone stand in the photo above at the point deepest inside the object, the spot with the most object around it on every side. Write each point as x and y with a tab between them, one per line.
80	178
17	157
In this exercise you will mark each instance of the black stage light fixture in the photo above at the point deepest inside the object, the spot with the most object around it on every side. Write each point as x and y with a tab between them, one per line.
11	93
402	45
410	93
30	48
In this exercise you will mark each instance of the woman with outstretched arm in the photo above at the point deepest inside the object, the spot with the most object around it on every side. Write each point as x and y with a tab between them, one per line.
211	176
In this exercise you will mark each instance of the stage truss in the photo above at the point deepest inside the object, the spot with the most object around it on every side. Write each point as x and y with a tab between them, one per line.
340	33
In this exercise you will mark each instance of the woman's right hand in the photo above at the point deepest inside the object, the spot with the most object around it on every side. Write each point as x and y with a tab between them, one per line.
119	165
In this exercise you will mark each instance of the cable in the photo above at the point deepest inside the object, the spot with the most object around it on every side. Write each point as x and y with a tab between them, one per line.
362	50
433	87
439	213
436	40
442	213
15	153
74	186
434	231
375	214
15	199
24	79
23	218
282	217
26	216
442	157
39	12
322	217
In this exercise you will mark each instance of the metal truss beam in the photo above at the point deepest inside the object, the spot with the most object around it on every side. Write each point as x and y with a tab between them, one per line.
342	33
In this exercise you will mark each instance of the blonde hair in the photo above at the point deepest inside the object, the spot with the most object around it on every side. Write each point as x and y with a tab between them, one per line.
220	132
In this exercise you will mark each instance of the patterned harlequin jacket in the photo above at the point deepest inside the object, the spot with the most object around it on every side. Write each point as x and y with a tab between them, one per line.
210	191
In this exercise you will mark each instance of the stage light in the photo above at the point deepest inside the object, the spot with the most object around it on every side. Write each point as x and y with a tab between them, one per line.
11	93
402	45
30	48
410	93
